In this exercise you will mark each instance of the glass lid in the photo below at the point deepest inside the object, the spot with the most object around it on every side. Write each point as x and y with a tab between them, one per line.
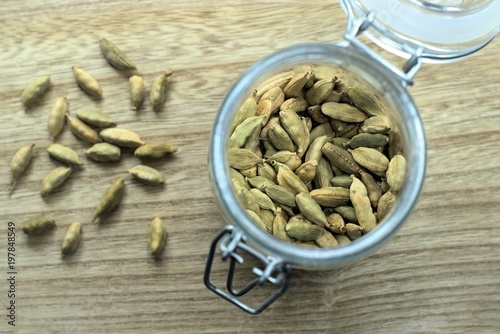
443	30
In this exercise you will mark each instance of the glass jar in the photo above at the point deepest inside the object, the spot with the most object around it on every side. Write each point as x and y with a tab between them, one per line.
356	63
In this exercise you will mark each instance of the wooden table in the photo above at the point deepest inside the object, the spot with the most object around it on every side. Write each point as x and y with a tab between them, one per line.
441	273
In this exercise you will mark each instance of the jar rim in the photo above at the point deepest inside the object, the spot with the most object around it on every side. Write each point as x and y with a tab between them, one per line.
219	168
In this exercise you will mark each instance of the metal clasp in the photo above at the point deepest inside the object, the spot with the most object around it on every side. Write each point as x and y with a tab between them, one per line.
275	270
355	26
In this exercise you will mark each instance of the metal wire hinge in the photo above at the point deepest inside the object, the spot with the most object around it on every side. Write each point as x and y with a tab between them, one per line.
355	26
275	270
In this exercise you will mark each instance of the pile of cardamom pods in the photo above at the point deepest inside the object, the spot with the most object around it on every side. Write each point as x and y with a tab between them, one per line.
96	128
314	160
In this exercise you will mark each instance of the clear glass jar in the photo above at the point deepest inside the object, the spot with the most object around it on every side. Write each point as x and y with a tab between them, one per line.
357	63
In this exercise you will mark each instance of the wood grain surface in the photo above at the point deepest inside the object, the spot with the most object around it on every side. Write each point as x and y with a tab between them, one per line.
440	274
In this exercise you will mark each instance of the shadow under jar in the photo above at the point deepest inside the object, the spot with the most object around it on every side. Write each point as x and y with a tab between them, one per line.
353	66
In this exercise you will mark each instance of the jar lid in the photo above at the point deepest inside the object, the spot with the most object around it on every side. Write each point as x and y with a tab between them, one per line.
443	29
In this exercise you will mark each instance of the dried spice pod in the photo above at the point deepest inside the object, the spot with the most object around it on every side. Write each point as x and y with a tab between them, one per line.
343	181
242	158
158	92
314	151
315	113
324	129
376	124
396	172
323	175
280	194
289	180
336	223
279	80
367	140
343	112
326	240
294	126
279	225
239	178
310	209
341	158
95	117
110	199
307	171
87	82
248	200
266	170
395	144
82	130
295	104
54	179
147	175
353	231
154	151
263	200
342	239
347	212
365	100
20	161
104	152
330	196
38	225
302	230
280	138
137	91
249	172
34	90
56	117
320	91
64	154
243	131
385	204
370	159
296	84
114	56
260	182
121	137
362	205
157	237
259	222
72	238
372	187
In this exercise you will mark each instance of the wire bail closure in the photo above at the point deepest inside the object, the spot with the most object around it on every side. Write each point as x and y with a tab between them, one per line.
275	271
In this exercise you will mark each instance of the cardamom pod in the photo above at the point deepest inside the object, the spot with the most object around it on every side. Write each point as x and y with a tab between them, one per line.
324	129
64	154
373	188
280	138
326	240
323	175
258	221
154	151
114	56
307	171
147	175
260	182
279	226
121	137
104	152
362	205
279	80
34	90
353	231
367	140
157	237
56	117
87	82
242	158
137	91
71	239
158	92
365	100
82	130
296	84
287	179
95	117
330	196
294	126
110	199
342	239
266	170
38	225
336	223
302	231
370	158
319	91
315	113
248	200
385	204
280	194
310	209
395	146
347	212
243	131
247	109
54	179
239	178
295	104
343	112
343	181
376	124
20	161
263	200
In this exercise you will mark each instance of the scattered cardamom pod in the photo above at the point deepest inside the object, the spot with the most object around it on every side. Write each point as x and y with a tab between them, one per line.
20	161
121	137
34	90
157	237
158	92
147	175
114	56
87	82
38	225
104	152
56	117
111	198
64	154
72	238
154	151
54	179
137	91
95	117
82	130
